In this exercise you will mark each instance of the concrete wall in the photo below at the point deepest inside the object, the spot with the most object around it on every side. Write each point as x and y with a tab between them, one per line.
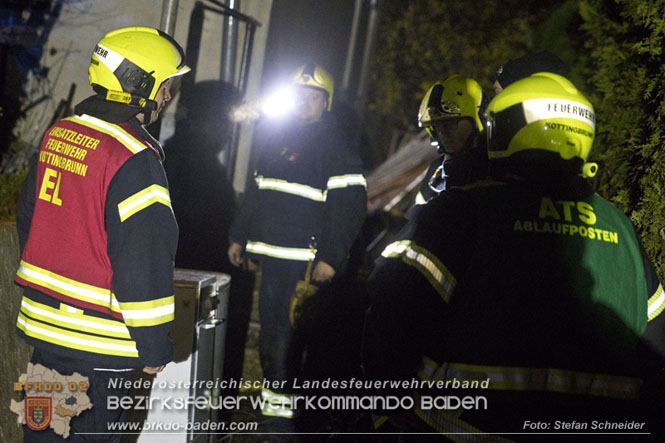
14	353
83	22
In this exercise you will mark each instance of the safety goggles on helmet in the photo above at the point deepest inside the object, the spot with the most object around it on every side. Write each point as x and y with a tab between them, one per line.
543	112
315	76
131	63
456	97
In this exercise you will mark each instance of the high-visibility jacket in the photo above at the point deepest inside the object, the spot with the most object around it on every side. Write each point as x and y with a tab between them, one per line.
307	185
547	298
98	239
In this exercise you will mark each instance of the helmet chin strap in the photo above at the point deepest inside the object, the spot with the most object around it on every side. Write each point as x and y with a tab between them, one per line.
134	100
149	106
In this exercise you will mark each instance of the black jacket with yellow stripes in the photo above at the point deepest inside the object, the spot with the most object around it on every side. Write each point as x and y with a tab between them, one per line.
66	316
543	295
449	171
307	184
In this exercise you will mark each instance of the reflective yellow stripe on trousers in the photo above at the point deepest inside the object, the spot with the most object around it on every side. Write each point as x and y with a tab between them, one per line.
276	405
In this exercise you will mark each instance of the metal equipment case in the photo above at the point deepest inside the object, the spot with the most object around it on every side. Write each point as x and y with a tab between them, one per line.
201	306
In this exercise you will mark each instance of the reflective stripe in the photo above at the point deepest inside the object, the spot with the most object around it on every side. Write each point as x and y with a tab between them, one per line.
343	181
148	313
115	131
267	394
276	405
142	199
74	319
276	412
300	254
420	200
541	379
455	429
70	309
66	286
75	340
111	58
428	369
305	191
378	420
424	261
656	303
546	108
309	192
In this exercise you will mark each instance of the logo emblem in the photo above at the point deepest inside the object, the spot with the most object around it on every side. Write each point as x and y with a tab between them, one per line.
38	412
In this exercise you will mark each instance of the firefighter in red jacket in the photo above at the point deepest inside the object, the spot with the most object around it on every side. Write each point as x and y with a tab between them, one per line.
528	297
97	232
307	202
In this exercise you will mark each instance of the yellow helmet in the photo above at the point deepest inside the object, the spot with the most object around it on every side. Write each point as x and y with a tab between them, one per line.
455	97
133	62
315	76
543	112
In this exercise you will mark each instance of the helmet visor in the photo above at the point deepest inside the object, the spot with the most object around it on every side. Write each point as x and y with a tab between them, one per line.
502	127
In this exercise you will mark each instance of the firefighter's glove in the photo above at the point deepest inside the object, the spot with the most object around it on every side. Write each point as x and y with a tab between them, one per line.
303	304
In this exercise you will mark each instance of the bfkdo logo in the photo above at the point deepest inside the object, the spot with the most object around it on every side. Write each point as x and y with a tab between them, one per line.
38	412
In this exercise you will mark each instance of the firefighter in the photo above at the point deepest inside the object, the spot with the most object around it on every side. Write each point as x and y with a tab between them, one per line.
306	203
97	232
528	294
522	67
452	113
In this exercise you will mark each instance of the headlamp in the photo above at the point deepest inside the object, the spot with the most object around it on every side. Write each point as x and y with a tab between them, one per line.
279	102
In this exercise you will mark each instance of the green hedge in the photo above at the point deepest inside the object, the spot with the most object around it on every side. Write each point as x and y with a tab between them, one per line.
421	42
10	188
614	49
625	70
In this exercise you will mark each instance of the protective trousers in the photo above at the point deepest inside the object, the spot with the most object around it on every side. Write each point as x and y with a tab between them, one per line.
92	425
281	348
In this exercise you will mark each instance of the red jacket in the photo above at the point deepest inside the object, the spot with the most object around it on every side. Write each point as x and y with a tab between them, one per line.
96	285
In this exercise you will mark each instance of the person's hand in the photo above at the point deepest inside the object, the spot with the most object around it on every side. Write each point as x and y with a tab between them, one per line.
235	254
252	265
153	369
323	272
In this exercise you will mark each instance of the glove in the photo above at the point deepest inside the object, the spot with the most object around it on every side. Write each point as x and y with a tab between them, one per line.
302	303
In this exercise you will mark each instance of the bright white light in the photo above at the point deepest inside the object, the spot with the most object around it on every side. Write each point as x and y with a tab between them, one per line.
279	103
